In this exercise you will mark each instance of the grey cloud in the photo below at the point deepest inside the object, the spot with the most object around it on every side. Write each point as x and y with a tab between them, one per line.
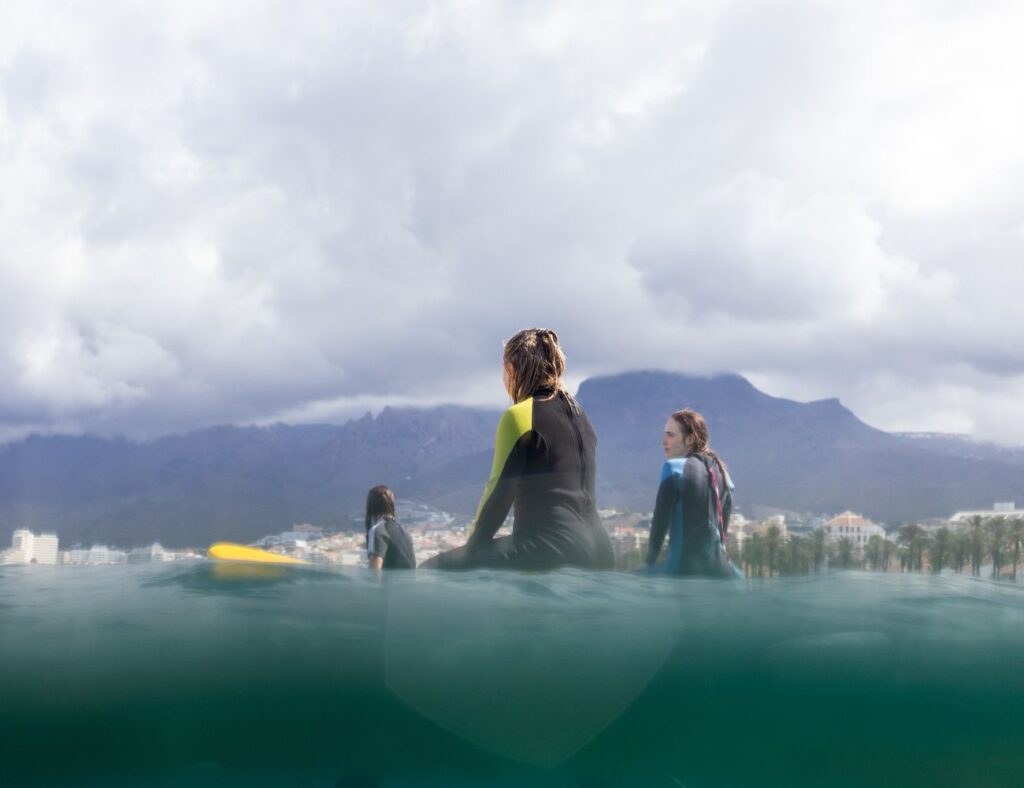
27	81
310	209
753	250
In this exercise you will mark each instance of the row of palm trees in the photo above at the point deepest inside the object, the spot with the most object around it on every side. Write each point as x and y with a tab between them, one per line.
980	541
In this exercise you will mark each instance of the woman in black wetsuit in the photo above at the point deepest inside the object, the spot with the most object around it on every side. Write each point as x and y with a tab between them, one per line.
543	470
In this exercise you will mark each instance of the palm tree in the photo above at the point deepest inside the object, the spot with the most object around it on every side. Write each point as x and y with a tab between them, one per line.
977	532
961	549
796	557
844	552
903	554
941	549
912	537
754	555
874	551
733	550
1016	540
773	538
818	549
789	557
997	537
888	551
806	554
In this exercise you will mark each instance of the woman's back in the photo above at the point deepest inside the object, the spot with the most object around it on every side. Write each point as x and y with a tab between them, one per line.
545	470
555	504
543	467
693	507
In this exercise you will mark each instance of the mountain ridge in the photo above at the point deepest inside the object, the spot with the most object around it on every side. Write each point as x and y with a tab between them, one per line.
239	483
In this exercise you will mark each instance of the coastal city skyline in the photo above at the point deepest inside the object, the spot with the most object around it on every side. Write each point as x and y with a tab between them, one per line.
847	539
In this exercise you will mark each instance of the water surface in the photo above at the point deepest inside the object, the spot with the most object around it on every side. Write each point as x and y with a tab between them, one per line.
192	675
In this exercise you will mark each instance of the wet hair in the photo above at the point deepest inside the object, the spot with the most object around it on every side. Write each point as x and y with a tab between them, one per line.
537	363
695	435
380	502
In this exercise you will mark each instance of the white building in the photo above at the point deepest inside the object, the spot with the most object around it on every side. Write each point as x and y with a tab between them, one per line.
853	527
96	554
155	552
76	555
741	529
1003	509
27	548
101	554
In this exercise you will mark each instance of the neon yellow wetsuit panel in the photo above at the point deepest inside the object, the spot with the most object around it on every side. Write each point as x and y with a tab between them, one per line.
515	422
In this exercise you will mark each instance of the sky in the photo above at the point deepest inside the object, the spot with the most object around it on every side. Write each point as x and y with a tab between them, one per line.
237	213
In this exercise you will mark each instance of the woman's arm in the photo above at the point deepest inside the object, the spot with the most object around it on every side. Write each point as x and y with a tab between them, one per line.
514	431
377	543
663	505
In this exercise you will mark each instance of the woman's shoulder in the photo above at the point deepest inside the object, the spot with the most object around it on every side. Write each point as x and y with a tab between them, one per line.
517	419
674	466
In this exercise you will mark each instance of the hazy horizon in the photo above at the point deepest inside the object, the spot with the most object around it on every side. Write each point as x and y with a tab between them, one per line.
374	407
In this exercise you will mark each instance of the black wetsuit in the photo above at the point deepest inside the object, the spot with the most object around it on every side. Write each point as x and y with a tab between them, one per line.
390	542
544	470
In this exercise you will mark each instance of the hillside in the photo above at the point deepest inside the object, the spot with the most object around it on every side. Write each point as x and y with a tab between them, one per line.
239	483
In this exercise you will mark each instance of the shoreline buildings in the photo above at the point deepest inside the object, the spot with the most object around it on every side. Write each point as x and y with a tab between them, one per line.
1007	509
741	529
28	548
854	527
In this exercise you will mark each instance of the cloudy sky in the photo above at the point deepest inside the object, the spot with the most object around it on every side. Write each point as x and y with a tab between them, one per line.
224	212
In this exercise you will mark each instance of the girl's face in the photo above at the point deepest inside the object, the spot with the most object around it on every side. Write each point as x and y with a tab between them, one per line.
673	443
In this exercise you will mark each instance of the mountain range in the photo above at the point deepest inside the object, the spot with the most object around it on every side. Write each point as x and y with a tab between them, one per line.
239	483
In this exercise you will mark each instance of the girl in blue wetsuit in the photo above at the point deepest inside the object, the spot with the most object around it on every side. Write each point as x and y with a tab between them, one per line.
693	504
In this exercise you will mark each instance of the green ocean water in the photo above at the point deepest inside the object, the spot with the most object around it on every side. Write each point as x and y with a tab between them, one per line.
174	675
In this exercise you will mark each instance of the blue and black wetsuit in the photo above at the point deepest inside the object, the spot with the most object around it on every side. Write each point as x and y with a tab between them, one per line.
686	509
544	470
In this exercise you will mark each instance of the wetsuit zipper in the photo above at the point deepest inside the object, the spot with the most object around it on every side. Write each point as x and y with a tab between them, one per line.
582	453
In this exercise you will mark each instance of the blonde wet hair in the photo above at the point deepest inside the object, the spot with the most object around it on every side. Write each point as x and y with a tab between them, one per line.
537	364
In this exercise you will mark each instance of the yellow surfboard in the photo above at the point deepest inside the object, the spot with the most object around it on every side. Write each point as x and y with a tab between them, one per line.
227	551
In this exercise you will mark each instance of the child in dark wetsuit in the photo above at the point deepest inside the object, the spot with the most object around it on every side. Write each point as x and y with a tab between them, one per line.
388	545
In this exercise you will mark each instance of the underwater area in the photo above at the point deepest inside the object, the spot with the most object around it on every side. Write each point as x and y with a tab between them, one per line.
209	674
